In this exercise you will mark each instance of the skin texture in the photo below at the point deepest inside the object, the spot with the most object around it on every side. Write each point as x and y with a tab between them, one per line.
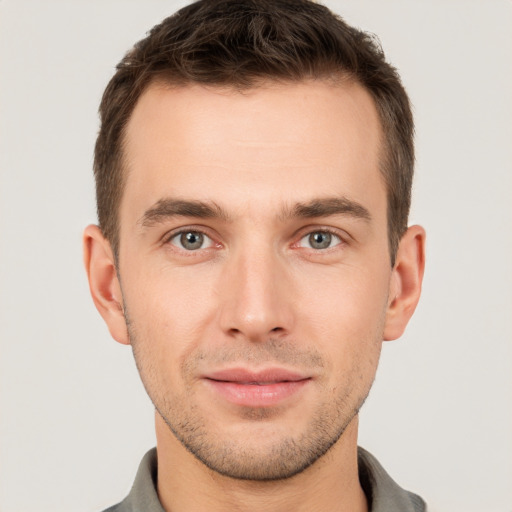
287	270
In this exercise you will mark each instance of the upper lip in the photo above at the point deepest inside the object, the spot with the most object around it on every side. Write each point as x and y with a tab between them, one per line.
264	376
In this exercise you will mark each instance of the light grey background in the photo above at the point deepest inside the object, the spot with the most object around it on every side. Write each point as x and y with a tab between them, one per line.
74	419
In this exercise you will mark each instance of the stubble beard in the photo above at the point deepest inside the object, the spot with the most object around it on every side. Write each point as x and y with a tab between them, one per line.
285	458
239	459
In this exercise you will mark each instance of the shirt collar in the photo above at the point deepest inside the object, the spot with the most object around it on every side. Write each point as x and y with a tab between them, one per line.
382	492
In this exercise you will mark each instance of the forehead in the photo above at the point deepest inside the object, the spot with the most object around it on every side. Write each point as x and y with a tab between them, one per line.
275	143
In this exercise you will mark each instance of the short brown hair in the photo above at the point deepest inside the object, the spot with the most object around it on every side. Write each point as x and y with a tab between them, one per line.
243	43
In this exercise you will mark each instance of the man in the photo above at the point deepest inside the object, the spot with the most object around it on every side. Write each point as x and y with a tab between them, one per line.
253	172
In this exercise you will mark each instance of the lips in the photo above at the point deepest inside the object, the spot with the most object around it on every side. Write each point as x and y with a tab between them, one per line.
264	388
271	375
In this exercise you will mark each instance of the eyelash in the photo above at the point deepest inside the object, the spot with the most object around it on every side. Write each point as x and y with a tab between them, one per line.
168	237
303	234
330	231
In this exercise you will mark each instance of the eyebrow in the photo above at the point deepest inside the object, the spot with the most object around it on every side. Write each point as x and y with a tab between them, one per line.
168	208
321	207
324	207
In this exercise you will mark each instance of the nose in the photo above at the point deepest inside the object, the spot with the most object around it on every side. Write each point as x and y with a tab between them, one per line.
256	296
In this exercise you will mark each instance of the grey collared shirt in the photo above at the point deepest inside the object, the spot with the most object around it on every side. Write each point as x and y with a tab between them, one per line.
382	492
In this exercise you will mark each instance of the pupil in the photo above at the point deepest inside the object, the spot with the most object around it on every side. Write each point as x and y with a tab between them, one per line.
192	240
320	240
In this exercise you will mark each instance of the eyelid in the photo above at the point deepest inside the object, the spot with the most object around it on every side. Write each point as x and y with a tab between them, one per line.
342	235
206	241
299	235
169	235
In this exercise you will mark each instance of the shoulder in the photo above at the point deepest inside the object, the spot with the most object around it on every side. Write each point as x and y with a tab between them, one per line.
382	492
116	508
124	506
143	496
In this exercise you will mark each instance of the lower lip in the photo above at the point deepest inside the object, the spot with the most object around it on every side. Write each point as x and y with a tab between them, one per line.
254	395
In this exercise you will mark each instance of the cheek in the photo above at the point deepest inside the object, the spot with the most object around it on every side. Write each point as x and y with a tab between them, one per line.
349	335
344	310
169	311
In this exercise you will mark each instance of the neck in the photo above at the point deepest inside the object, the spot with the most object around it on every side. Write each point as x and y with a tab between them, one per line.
330	484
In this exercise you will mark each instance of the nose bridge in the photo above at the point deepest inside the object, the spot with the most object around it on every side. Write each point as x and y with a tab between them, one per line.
255	291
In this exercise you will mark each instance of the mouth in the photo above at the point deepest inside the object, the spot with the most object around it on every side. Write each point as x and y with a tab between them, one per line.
265	388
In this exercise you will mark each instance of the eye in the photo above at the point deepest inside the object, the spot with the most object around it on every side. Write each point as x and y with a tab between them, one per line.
319	240
191	240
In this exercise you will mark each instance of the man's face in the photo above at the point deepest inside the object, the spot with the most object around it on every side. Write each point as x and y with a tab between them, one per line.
254	267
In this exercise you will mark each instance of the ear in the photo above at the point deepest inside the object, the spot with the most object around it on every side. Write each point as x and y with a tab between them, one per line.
406	279
104	283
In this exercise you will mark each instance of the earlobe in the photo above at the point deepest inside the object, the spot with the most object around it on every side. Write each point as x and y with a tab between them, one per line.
103	282
406	280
